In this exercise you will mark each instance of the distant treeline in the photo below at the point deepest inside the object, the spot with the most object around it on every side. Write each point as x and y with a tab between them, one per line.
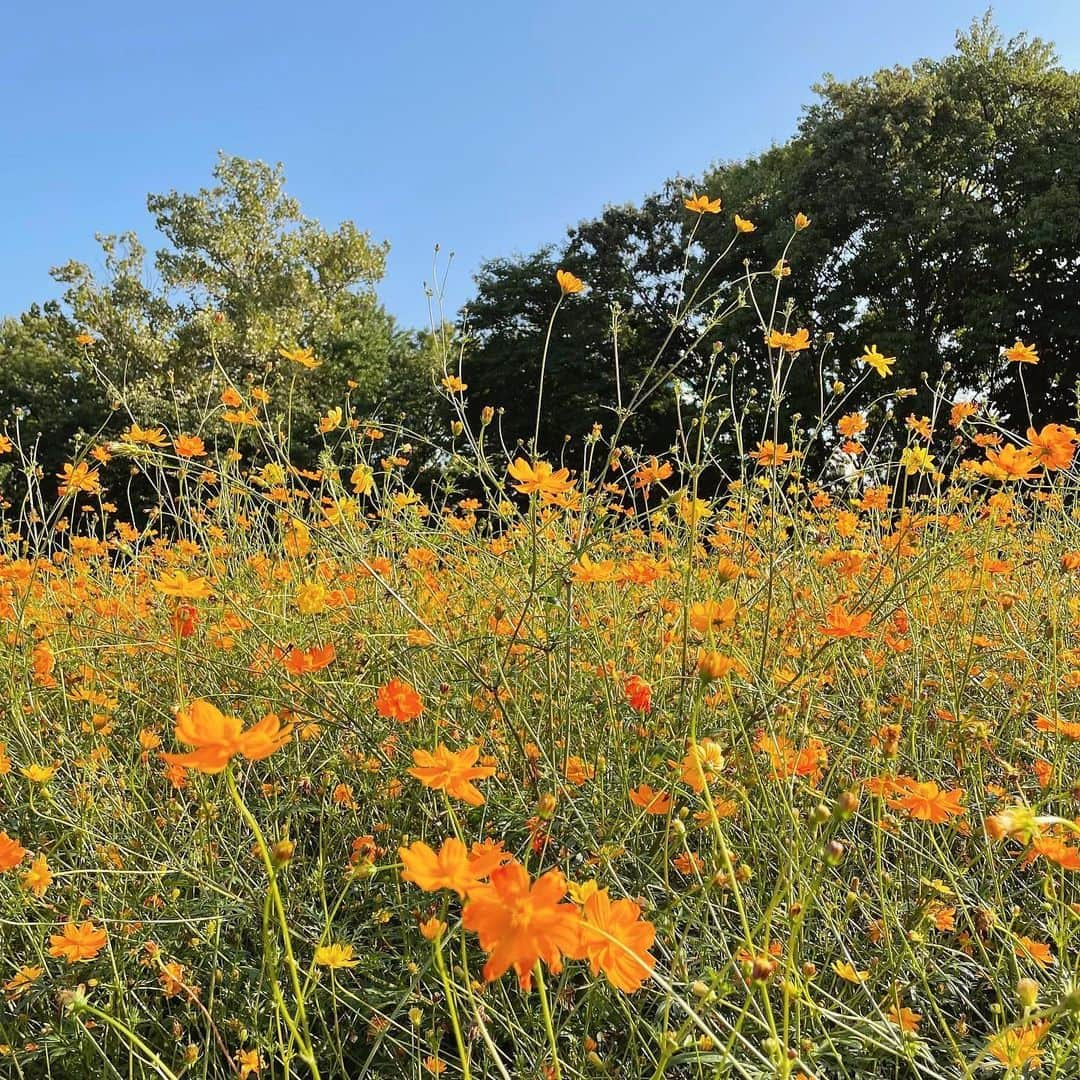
944	206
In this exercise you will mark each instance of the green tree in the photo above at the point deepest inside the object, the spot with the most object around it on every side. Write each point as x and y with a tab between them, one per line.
49	396
241	275
945	200
945	207
631	258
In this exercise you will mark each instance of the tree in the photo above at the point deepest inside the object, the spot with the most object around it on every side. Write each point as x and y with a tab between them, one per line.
631	258
945	200
49	395
242	275
945	207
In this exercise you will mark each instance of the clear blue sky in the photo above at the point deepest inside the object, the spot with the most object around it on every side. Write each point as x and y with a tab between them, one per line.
487	127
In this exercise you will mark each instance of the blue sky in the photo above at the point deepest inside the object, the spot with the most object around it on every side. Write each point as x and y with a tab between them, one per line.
486	127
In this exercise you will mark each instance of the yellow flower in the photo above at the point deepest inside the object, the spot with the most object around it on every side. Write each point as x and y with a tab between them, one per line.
84	339
22	980
455	385
39	877
801	222
702	204
568	282
331	420
916	459
178	584
743	225
693	510
311	598
249	1062
362	479
335	956
847	972
881	364
39	774
303	357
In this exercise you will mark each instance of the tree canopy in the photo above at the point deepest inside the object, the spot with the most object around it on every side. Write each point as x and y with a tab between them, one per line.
945	207
241	276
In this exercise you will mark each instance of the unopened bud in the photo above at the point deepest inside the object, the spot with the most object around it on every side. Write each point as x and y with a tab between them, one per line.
1027	992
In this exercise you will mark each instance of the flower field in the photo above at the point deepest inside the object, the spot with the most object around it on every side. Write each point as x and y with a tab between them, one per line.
576	768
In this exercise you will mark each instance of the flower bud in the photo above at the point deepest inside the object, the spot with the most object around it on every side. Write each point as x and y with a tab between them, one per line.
1027	992
282	852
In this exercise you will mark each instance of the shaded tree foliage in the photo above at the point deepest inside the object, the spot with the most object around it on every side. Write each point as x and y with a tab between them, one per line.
631	259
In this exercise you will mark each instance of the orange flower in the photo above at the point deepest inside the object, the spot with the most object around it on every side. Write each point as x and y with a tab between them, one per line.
638	694
652	802
840	624
851	424
771	454
568	282
452	867
540	479
788	761
652	472
77	943
1069	728
1022	354
961	411
904	1018
1009	463
144	436
706	615
218	738
520	923
616	941
432	929
452	772
11	852
76	478
1057	851
303	357
171	978
925	801
264	738
1038	952
189	446
793	343
702	204
397	700
305	661
1054	446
